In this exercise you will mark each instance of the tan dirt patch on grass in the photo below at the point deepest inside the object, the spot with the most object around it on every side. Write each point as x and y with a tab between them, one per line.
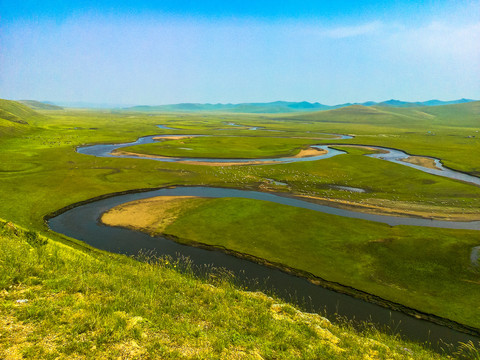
398	208
178	137
153	214
422	161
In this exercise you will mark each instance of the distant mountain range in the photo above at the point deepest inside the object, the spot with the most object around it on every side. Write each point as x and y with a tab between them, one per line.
269	107
282	106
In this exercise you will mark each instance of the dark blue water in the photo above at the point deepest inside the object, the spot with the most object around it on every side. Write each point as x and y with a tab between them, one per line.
82	223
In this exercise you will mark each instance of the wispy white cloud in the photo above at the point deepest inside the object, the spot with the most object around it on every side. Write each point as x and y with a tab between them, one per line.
440	38
351	31
321	31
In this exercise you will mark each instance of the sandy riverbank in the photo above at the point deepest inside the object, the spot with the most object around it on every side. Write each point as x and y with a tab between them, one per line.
175	137
151	215
422	161
397	208
304	153
366	147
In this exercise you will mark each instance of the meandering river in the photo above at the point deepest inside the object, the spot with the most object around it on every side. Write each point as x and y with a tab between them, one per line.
81	222
388	154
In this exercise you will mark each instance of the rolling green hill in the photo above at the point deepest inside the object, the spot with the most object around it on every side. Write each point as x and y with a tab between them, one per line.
14	117
37	105
16	112
353	113
467	114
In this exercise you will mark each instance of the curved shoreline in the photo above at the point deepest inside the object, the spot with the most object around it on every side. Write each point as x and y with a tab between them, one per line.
392	155
422	161
303	154
337	287
409	154
334	286
317	280
384	210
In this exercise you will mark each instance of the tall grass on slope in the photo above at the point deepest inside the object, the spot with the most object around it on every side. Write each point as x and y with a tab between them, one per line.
58	302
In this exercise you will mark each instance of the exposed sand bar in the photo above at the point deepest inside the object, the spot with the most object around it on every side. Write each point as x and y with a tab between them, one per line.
176	137
152	215
422	161
310	152
398	208
304	153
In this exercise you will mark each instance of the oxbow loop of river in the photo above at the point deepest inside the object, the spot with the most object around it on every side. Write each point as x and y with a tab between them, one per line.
388	154
81	223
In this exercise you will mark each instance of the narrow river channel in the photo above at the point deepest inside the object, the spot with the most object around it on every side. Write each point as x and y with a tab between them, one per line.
388	154
81	222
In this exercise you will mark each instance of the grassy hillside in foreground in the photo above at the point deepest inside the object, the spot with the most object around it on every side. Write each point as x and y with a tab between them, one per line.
58	302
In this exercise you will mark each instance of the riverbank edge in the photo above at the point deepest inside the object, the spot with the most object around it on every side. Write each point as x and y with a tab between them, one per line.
470	173
334	286
377	209
303	153
369	208
330	285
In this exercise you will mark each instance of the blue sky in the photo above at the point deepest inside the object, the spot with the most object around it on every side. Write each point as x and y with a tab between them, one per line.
160	52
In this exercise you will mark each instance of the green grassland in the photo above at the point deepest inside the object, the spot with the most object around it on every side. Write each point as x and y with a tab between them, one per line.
60	302
427	269
40	172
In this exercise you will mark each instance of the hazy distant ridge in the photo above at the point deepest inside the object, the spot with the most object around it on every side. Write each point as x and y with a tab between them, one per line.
37	105
284	106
